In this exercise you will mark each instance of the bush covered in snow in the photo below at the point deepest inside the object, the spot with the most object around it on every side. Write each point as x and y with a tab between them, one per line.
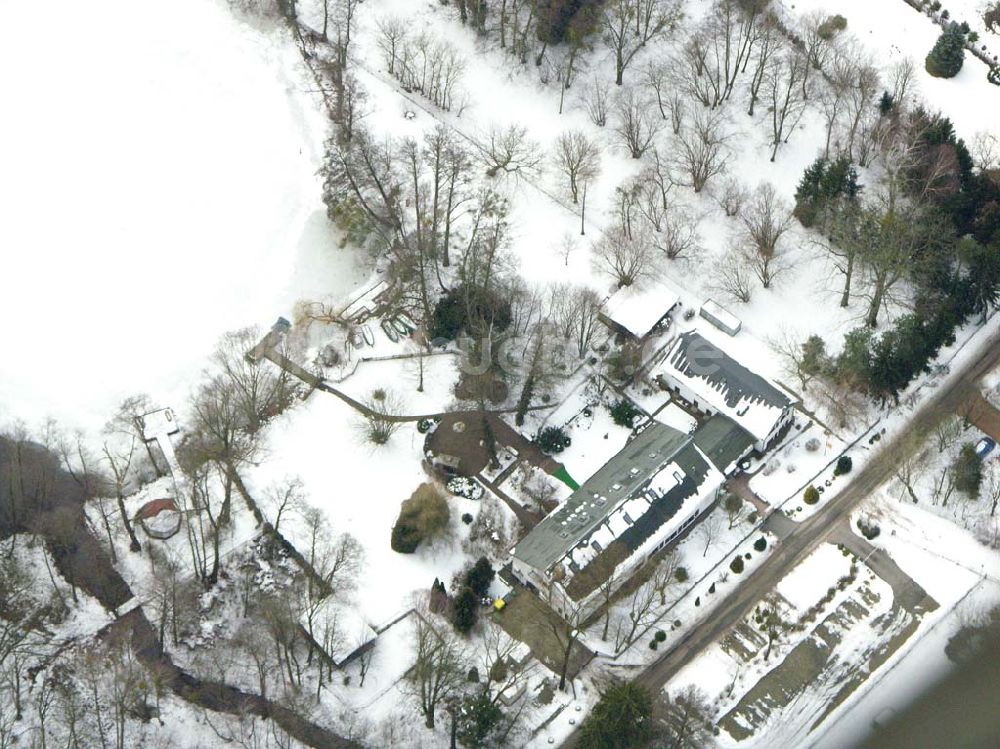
462	486
553	440
623	412
868	529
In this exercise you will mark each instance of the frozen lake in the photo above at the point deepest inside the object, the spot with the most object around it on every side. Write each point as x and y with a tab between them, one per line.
156	190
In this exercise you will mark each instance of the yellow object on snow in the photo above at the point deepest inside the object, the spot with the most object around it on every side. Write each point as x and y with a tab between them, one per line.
499	604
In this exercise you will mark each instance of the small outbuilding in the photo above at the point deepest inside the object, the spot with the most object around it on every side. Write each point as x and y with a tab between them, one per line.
638	311
159	518
720	317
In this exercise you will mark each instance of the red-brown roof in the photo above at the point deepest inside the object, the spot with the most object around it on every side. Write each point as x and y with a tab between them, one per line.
154	508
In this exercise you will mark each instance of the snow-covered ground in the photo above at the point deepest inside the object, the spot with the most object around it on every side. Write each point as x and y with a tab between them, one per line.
360	488
962	575
159	188
892	29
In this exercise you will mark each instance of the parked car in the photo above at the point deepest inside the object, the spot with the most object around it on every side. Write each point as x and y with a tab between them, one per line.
985	446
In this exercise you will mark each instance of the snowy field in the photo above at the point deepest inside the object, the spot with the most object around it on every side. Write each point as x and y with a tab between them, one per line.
158	189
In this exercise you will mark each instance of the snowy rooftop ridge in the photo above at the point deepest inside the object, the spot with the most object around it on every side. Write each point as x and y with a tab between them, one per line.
639	309
593	503
725	385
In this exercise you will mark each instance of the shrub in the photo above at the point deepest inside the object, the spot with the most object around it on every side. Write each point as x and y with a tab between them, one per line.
660	635
868	529
462	486
946	58
471	309
467	518
736	565
991	17
465	610
421	517
473	675
478	721
681	574
844	465
760	544
832	26
623	717
479	577
623	412
652	644
811	495
553	440
711	588
967	469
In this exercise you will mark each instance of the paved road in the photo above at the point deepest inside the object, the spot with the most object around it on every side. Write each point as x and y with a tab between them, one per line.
800	541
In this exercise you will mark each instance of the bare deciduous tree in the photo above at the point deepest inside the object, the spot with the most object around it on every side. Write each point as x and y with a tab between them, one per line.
392	35
626	260
380	421
634	125
665	576
658	78
732	195
863	87
765	218
783	88
429	65
708	530
769	42
629	25
578	158
732	275
639	615
700	149
510	151
597	100
438	671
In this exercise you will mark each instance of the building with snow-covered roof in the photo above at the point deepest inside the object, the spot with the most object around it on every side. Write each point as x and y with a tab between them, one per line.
638	311
713	382
653	490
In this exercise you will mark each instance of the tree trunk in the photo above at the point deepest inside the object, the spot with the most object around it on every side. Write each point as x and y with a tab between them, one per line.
848	273
134	544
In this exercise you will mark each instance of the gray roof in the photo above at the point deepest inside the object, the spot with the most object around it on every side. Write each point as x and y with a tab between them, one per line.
749	399
696	356
723	441
695	470
601	494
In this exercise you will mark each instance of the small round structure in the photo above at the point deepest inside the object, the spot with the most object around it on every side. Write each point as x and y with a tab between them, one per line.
159	518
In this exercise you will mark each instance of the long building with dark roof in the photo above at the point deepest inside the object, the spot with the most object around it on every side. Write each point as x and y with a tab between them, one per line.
715	383
633	506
